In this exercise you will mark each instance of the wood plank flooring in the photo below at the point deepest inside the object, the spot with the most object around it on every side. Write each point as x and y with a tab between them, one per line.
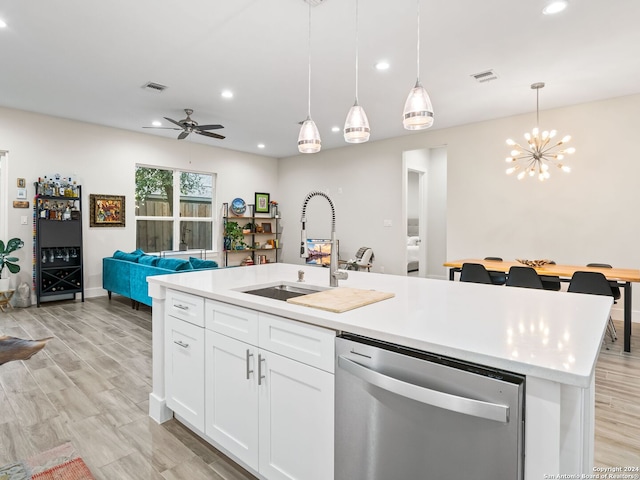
90	386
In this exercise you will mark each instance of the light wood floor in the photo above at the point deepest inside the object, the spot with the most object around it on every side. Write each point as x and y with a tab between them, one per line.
90	386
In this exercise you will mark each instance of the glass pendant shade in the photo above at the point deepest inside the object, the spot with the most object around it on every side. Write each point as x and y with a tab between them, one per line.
356	126
309	137
418	111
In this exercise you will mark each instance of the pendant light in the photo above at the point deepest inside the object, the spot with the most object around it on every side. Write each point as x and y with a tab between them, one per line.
356	126
309	137
540	152
418	111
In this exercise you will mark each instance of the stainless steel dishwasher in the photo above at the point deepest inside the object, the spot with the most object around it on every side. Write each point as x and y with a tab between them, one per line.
403	414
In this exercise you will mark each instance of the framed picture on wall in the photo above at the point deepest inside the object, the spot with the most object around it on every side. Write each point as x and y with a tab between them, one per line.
262	202
106	210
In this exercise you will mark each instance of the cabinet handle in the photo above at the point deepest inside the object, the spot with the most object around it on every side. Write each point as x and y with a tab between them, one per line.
249	371
180	306
181	344
260	376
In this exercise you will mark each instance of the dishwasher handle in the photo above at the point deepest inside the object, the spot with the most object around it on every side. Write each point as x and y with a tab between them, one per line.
454	403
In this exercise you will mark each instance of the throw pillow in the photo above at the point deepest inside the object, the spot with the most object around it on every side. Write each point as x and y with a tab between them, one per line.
197	263
129	257
176	264
150	260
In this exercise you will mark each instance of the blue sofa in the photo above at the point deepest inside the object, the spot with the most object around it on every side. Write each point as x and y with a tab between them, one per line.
126	273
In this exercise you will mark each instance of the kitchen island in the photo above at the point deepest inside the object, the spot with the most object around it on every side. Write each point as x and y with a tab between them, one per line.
552	338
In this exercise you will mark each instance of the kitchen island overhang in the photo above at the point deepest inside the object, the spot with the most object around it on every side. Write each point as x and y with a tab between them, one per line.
552	338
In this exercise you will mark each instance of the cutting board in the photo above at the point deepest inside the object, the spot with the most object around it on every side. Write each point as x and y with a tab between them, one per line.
340	299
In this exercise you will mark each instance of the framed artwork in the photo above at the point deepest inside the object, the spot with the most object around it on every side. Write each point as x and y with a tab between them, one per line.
266	227
21	182
262	202
106	210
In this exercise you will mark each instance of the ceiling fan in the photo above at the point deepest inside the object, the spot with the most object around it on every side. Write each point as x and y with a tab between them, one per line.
187	126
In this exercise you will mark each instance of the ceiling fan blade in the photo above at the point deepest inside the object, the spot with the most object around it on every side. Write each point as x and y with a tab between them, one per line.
165	128
183	135
209	134
173	121
209	127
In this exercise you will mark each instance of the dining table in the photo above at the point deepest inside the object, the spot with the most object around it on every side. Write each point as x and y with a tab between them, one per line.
623	276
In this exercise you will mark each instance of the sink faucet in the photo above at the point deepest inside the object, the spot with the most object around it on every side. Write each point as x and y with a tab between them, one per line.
334	273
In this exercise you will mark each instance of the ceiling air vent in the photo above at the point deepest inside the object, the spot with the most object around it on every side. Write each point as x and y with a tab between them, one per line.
485	76
154	87
314	3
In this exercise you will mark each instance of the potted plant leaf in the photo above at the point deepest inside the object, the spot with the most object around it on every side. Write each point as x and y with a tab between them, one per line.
7	262
233	232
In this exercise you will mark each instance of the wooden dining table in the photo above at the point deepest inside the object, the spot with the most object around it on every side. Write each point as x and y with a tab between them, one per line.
624	276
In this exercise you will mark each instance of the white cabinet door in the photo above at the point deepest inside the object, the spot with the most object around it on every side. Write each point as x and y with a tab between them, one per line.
232	396
296	420
184	370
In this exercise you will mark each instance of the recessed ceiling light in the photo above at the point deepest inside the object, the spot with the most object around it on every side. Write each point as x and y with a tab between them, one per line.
382	65
227	94
555	6
156	123
335	129
3	24
261	145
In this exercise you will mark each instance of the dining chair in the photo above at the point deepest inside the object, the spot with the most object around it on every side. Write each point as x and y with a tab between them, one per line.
615	289
497	278
525	277
593	283
550	282
475	273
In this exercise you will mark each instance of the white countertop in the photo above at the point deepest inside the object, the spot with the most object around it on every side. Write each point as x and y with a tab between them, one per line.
549	335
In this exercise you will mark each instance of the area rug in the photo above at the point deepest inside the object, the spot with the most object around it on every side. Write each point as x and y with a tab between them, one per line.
60	463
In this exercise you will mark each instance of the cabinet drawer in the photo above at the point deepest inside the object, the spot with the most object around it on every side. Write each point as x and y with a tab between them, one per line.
189	308
235	322
305	343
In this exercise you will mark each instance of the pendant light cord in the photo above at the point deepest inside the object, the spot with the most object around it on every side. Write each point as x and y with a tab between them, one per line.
356	51
309	52
418	46
537	107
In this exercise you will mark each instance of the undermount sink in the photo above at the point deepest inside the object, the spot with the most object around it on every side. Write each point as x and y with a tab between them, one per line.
283	291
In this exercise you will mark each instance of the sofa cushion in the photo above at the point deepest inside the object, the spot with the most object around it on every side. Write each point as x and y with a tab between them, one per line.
176	264
150	260
197	263
129	257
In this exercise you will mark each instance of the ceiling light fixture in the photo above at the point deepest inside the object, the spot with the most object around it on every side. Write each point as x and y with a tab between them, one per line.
226	94
156	123
335	129
555	6
382	65
309	137
418	111
539	153
3	24
261	145
356	126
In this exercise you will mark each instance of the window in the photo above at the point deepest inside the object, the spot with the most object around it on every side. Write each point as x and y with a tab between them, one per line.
160	226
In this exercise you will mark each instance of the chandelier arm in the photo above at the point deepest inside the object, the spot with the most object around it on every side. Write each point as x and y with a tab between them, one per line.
551	148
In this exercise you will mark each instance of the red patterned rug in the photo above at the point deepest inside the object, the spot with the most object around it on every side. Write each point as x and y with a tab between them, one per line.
60	463
75	469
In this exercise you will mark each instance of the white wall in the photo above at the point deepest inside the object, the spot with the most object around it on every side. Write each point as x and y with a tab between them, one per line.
586	216
104	159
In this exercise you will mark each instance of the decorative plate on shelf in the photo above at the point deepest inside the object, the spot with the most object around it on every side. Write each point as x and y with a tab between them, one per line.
533	263
238	207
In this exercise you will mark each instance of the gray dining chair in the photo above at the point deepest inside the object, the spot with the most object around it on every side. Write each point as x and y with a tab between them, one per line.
525	277
593	283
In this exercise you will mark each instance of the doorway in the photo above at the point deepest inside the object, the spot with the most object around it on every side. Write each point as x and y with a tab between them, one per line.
425	211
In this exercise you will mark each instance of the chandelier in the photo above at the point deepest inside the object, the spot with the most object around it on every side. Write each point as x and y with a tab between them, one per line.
541	150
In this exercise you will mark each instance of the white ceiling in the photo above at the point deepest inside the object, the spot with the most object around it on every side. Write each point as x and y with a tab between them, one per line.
87	60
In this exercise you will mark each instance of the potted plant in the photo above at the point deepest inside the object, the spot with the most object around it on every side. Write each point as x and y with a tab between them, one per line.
234	236
7	262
